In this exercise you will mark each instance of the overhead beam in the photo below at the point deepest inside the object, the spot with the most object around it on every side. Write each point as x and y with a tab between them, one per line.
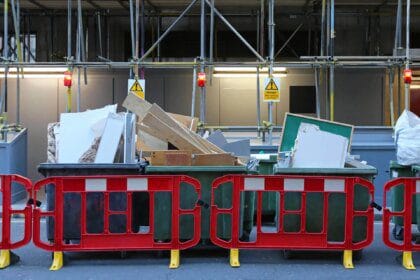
123	4
36	3
149	3
96	6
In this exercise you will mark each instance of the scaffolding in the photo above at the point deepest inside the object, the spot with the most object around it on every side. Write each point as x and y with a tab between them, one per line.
324	64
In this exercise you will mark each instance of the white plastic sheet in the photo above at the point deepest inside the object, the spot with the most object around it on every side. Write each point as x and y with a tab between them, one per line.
407	138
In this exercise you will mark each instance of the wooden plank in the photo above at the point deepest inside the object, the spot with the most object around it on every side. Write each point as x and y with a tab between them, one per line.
164	117
147	142
155	127
137	105
188	122
213	160
171	158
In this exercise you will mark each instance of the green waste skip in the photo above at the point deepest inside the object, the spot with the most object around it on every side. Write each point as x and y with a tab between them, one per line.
206	175
336	202
397	194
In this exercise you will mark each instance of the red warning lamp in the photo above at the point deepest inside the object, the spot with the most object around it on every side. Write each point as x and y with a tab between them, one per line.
408	76
201	79
68	78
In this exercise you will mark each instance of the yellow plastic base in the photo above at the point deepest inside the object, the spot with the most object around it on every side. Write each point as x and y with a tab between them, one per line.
58	261
407	261
175	259
348	259
234	258
4	258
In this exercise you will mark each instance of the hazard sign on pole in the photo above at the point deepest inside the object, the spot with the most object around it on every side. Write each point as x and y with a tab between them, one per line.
272	90
137	87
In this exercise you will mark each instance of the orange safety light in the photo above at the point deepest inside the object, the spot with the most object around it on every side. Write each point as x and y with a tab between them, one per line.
68	78
201	79
408	76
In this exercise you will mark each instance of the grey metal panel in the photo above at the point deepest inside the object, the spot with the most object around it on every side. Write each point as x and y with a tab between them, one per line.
359	96
178	93
97	93
13	157
213	102
38	108
155	89
238	101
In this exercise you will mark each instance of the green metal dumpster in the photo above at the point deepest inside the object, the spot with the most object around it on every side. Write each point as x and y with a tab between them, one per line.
95	206
223	198
397	197
266	167
336	202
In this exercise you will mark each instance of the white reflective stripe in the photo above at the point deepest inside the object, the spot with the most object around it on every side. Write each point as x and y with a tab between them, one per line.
95	185
418	186
334	185
137	184
294	184
254	184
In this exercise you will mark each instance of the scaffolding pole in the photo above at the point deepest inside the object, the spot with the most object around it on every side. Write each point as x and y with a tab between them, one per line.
271	26
407	53
3	98
159	40
332	68
202	59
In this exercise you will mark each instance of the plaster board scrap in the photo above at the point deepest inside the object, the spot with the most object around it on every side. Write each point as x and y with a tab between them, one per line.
217	138
241	148
315	148
76	134
110	138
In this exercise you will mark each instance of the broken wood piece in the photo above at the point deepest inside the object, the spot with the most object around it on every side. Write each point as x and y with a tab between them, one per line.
138	106
171	158
156	127
213	160
188	122
193	138
147	142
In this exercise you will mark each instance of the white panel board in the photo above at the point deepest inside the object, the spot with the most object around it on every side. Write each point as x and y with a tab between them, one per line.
76	133
110	138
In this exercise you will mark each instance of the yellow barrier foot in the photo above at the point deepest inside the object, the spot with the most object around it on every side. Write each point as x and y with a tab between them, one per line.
348	259
234	258
4	258
7	258
407	260
58	261
175	259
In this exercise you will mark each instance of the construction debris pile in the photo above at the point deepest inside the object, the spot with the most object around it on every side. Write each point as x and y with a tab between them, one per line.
157	131
93	136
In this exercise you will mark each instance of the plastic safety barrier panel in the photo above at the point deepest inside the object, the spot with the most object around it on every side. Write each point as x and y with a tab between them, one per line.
299	237
7	182
108	239
411	190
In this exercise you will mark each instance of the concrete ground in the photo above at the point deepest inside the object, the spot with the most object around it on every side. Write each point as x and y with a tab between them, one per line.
378	262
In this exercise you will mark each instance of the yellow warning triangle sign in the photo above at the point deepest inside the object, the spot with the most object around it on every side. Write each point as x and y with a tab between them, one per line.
137	89
271	85
272	91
